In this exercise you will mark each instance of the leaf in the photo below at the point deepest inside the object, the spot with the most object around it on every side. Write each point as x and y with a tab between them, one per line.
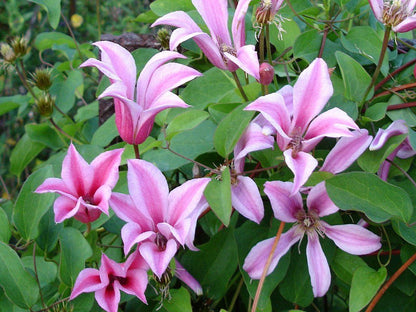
376	112
23	153
75	250
364	285
371	161
344	265
185	121
106	132
4	227
162	7
53	8
87	112
218	195
367	193
292	31
47	270
30	207
408	233
20	287
180	301
356	79
44	134
230	130
48	232
8	103
65	90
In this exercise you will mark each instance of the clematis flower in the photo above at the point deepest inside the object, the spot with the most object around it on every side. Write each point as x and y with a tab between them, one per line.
266	10
136	105
404	150
293	114
158	221
398	14
85	189
351	238
219	49
130	277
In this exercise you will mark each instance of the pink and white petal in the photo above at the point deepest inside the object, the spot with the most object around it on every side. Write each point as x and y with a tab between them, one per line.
132	233
166	78
253	139
274	110
65	208
287	93
257	257
158	260
187	278
76	173
88	280
377	7
136	283
318	266
215	16
276	4
202	206
125	209
319	201
180	35
285	205
100	200
178	232
405	150
106	68
105	167
135	262
55	185
177	19
302	166
398	127
109	267
246	199
311	92
108	298
247	60
184	199
332	123
238	24
346	151
353	238
408	24
148	189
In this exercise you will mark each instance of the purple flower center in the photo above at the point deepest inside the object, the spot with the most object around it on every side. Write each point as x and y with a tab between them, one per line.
309	222
395	12
296	143
161	241
112	278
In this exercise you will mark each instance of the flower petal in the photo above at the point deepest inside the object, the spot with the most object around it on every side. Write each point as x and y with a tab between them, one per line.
353	238
256	259
55	185
158	260
285	206
187	278
124	208
105	168
318	266
88	280
238	24
408	24
319	201
132	234
247	60
108	298
302	166
377	7
311	92
397	127
65	208
246	199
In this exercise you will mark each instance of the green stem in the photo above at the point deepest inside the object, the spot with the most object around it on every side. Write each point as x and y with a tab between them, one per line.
269	56
63	132
380	63
240	87
72	35
37	276
237	292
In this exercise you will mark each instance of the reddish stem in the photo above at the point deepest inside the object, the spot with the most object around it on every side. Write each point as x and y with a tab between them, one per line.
394	73
401	105
395	89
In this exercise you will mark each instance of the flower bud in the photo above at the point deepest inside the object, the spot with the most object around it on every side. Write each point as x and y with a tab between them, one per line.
45	104
42	78
20	46
266	73
163	37
7	53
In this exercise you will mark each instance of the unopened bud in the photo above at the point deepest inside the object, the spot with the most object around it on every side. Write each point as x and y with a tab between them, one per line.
42	78
163	37
45	104
266	73
7	53
20	46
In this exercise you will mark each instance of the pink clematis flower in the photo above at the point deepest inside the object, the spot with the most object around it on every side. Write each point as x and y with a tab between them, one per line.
158	221
85	189
136	105
293	114
351	238
130	277
219	49
404	150
398	14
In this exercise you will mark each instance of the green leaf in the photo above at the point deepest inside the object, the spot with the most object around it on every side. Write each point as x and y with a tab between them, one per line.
74	251
292	31
376	112
20	287
4	227
148	17
371	161
185	121
8	103
87	112
65	91
162	7
53	8
23	153
49	231
106	132
44	134
344	265
47	40
30	206
356	79
218	195
180	301
408	233
47	270
230	130
367	193
364	286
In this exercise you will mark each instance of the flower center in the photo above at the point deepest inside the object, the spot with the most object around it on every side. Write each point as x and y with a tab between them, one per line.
309	222
395	11
263	12
112	278
296	143
161	241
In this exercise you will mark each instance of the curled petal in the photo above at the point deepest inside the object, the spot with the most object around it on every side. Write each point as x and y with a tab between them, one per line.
158	260
285	206
246	199
238	24
132	234
287	93
302	166
65	208
377	7
88	280
136	283
408	24
125	209
247	60
105	168
187	278
398	127
256	259
353	238
55	185
318	266
108	298
319	201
